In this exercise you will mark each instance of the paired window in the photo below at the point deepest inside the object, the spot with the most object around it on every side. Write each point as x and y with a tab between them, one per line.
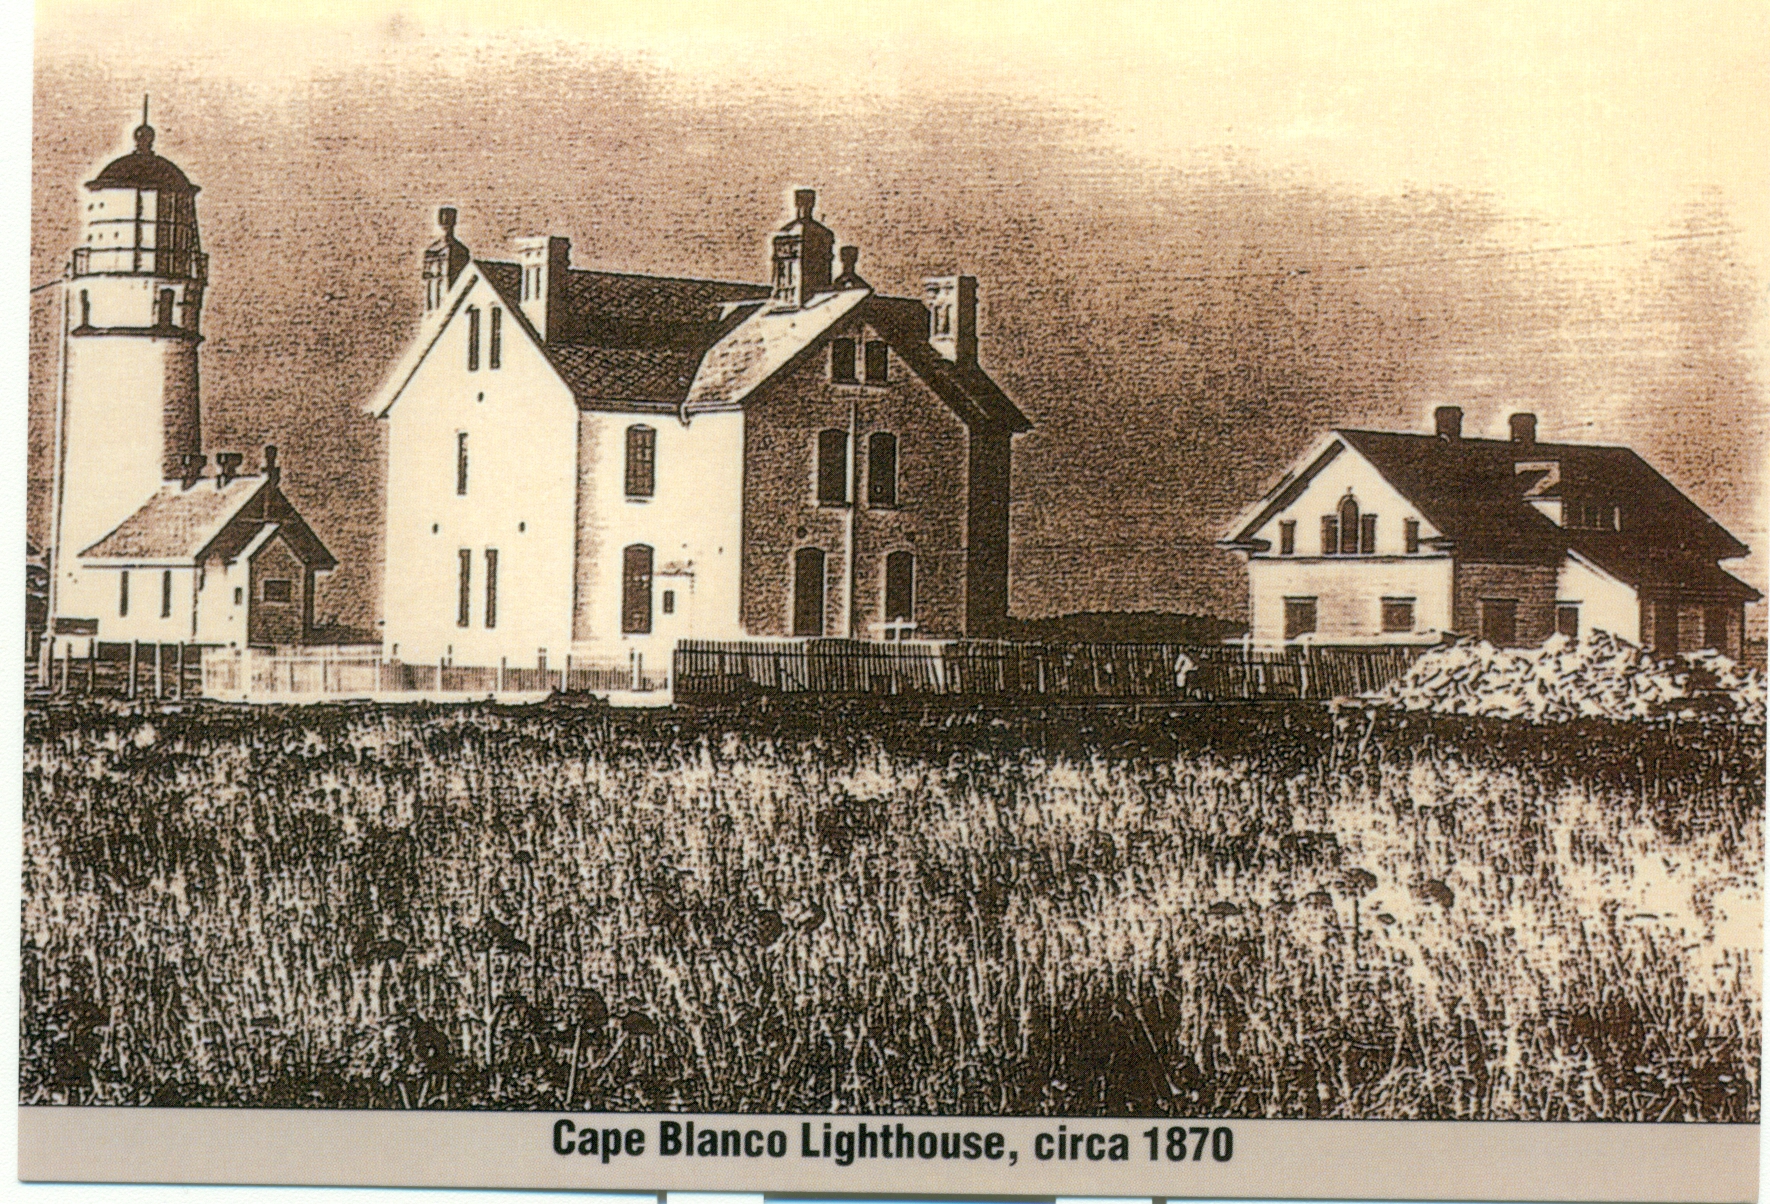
1287	537
495	349
1499	621
472	339
277	589
842	353
832	467
166	594
461	463
878	362
491	587
636	566
1299	617
808	592
882	469
900	587
642	459
464	590
1398	614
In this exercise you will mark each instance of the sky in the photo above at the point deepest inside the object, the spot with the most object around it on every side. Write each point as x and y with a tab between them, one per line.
1202	237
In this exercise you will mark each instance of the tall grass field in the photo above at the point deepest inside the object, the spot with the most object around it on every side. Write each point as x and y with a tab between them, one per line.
1229	912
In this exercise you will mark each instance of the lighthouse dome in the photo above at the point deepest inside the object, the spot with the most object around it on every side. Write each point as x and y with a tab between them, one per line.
143	169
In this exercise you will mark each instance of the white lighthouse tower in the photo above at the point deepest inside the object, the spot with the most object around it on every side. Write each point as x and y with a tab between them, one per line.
129	415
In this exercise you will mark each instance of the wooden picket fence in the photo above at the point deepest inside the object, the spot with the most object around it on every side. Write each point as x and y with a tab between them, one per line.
709	669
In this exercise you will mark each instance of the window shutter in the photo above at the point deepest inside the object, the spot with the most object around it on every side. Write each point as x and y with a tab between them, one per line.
1330	535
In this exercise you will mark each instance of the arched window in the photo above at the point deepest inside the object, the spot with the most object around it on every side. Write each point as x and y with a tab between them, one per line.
636	589
882	469
642	459
1349	526
832	467
808	592
900	587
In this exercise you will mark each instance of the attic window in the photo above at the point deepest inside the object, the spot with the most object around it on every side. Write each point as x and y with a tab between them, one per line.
1411	532
1287	537
842	361
878	362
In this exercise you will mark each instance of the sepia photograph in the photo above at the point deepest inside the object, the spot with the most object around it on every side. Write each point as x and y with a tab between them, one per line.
986	599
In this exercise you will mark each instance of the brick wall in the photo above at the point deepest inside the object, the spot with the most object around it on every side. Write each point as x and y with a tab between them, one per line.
1532	586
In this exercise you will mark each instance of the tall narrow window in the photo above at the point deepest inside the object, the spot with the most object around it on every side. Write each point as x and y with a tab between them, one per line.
1367	534
85	308
642	459
900	587
842	360
461	463
491	587
878	362
1287	537
495	348
1411	531
808	592
163	316
166	594
464	593
472	339
123	594
636	589
882	469
1349	527
1299	617
832	467
1330	535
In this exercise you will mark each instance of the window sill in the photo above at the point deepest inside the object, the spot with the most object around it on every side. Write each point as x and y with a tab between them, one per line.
638	501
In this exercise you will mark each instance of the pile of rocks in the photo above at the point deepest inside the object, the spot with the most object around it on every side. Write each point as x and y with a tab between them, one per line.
1597	677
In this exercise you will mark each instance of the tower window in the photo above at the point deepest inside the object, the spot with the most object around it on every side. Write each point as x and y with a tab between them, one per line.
491	587
882	469
166	594
842	361
472	340
85	308
123	594
464	589
878	361
163	314
461	463
495	349
642	461
1287	537
636	589
832	467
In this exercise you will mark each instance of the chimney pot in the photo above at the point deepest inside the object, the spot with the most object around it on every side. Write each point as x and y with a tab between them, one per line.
271	472
445	217
191	469
804	201
227	468
1524	429
850	255
1450	422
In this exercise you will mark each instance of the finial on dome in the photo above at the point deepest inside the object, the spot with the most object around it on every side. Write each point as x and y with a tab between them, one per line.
144	133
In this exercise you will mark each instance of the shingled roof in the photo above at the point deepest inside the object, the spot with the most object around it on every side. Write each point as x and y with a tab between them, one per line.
182	525
1473	492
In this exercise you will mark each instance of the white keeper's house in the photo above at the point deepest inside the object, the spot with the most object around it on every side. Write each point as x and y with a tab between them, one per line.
1376	536
592	464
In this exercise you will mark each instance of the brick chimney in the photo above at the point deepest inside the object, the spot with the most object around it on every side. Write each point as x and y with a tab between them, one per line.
1450	421
802	252
443	260
190	469
1524	429
227	467
952	317
544	262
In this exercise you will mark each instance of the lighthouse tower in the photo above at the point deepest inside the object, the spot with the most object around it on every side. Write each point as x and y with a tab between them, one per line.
128	415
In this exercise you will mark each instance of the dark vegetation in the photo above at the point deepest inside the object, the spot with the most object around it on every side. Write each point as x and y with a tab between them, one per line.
817	906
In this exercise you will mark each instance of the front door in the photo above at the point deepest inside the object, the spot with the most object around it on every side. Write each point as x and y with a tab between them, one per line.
808	592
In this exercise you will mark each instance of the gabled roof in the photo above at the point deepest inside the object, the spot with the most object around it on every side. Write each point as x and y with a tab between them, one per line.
763	343
1473	492
179	525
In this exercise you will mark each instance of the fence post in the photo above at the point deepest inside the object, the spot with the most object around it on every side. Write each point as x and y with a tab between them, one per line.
67	665
502	661
134	651
159	677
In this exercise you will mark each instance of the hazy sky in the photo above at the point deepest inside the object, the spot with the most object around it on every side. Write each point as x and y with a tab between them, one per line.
1201	237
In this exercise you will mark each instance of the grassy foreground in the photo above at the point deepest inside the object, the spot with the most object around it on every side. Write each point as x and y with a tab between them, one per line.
1228	912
